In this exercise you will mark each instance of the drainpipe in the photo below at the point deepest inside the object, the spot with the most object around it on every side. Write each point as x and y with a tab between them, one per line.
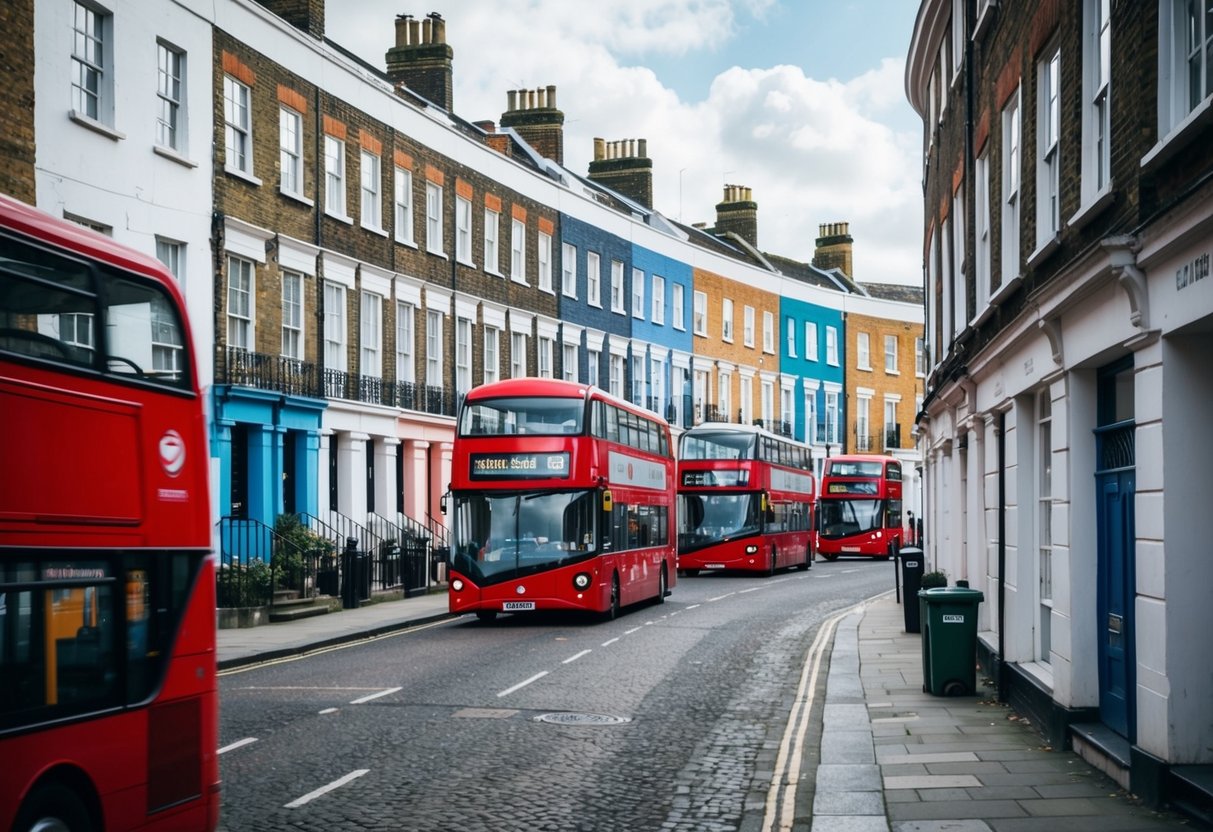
1000	433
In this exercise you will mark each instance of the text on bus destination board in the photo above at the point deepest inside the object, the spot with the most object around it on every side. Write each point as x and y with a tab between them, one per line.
505	465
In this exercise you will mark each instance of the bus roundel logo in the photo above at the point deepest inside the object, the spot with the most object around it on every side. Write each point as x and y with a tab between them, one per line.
172	453
629	471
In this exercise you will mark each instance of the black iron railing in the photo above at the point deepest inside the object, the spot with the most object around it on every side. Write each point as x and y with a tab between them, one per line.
258	566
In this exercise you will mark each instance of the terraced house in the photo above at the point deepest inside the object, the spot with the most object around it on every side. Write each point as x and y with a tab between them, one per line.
356	257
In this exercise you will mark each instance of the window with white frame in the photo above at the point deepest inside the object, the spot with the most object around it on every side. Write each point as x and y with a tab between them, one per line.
616	375
947	253
463	230
699	314
637	293
370	323
168	345
546	355
334	176
831	417
931	308
890	354
677	303
433	348
638	378
593	366
518	251
812	431
724	393
1010	183
292	315
402	199
747	324
786	409
863	406
1044	521
370	185
1048	140
1185	49
657	384
768	332
959	31
406	370
92	54
172	254
593	278
699	394
768	404
892	436
433	218
239	303
982	256
517	354
657	314
810	340
463	355
492	354
568	270
237	126
170	90
726	319
747	400
617	287
568	367
832	346
959	295
492	232
1097	94
920	358
789	327
334	326
545	261
863	351
290	151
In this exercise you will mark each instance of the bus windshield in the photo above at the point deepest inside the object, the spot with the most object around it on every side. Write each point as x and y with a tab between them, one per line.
531	416
503	536
855	469
730	445
840	518
712	518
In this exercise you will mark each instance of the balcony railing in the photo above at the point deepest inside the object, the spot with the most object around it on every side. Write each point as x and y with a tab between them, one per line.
892	437
242	368
864	442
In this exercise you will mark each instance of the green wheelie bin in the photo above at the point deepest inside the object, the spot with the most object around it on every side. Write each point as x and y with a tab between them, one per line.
949	640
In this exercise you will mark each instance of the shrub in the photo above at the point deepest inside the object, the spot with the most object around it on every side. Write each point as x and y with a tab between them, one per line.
932	580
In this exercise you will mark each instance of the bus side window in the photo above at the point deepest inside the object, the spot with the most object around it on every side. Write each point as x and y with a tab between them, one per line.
612	423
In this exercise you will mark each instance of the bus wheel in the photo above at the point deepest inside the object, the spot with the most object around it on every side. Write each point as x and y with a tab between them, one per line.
808	561
53	808
831	557
662	592
613	610
486	615
774	561
690	573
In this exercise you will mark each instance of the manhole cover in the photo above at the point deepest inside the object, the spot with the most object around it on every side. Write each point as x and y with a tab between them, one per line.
582	719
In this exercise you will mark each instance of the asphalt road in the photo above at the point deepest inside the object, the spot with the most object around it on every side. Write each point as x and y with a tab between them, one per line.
669	718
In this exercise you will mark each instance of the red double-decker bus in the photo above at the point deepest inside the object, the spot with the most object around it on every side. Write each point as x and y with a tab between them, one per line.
563	499
859	509
108	699
745	500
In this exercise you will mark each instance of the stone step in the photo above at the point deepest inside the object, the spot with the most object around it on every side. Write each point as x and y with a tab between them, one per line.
294	612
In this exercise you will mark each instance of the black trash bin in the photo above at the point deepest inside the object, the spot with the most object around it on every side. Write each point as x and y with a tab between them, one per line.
911	562
414	555
355	575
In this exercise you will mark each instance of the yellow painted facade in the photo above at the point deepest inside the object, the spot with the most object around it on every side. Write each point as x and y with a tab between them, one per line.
883	385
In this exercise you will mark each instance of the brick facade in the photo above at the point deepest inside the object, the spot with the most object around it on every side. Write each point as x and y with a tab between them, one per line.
17	138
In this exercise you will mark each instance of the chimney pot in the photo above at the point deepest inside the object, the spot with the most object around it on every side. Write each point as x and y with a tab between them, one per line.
599	149
511	98
414	32
552	96
644	148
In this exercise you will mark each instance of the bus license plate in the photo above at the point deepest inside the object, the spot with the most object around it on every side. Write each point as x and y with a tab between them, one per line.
714	566
514	606
850	548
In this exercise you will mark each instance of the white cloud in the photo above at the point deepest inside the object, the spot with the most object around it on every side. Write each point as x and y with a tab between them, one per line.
811	150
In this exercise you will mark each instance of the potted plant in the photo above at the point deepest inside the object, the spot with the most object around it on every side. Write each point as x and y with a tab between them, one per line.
931	580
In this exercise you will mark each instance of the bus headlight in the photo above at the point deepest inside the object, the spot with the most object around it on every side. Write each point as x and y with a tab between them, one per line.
457	585
581	581
751	549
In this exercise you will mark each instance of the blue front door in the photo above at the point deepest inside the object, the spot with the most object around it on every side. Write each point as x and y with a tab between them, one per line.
1115	541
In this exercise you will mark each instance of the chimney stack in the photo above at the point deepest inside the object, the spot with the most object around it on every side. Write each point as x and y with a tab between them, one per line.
305	15
738	212
534	117
834	248
624	166
421	59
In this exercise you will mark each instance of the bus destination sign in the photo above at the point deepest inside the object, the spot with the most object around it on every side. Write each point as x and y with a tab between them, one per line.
701	479
525	465
854	488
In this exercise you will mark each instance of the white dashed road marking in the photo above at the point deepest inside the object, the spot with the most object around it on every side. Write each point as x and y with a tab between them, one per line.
336	784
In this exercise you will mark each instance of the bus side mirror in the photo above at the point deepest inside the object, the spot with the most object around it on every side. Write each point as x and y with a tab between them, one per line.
442	503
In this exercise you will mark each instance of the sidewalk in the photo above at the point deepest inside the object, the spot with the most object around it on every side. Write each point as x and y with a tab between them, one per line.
892	757
895	758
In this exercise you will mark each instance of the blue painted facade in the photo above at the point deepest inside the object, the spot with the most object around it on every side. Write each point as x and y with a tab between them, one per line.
799	359
598	315
661	335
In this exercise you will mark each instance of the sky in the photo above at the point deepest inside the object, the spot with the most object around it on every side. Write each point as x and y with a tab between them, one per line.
802	101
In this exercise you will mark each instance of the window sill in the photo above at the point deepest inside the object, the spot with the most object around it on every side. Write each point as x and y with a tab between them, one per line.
864	369
239	174
378	232
406	242
519	281
173	156
570	297
1003	291
1092	209
441	254
889	372
722	338
342	218
1044	250
593	304
1193	127
94	125
981	317
492	272
463	262
551	292
300	198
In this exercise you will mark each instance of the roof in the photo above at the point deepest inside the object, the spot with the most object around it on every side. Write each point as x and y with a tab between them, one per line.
900	292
